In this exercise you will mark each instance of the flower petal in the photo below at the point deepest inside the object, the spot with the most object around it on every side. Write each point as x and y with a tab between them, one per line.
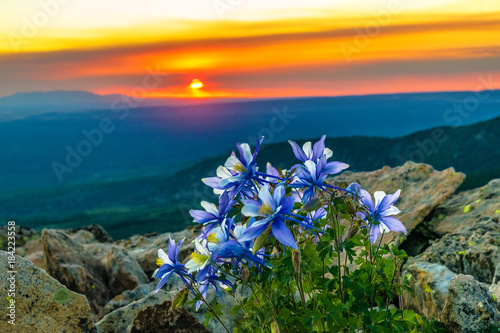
389	200
328	153
379	196
266	196
213	182
308	150
252	232
247	153
374	232
319	149
251	210
392	210
162	282
298	151
393	224
334	167
281	232
201	216
366	199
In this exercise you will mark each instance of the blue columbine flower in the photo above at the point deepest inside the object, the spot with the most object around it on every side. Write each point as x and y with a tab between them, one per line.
212	216
169	264
380	211
274	209
212	279
316	215
311	176
238	253
311	154
354	189
237	174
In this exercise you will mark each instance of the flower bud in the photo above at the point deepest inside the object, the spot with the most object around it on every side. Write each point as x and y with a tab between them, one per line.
296	259
261	240
353	230
351	208
244	274
274	327
180	298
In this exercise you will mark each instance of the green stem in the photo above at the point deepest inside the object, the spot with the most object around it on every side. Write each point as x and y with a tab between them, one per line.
301	292
210	308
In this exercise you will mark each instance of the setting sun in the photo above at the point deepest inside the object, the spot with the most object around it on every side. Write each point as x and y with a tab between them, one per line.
196	84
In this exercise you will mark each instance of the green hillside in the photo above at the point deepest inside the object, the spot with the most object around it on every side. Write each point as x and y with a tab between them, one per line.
160	203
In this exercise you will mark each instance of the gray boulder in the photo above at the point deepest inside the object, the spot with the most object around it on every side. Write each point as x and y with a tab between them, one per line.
474	250
69	263
42	304
470	307
123	271
150	314
429	283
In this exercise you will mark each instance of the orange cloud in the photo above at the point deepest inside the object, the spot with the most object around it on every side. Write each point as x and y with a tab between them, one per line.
316	56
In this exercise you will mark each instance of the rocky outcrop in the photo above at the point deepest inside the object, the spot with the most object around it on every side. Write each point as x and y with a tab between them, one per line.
474	250
470	307
123	271
73	266
141	291
464	208
430	283
495	285
150	314
89	234
128	297
115	276
22	236
42	304
422	188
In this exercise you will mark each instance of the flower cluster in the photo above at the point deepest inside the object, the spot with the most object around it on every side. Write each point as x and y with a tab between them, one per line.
275	207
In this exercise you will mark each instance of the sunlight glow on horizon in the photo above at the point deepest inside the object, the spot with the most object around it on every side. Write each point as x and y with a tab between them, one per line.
259	49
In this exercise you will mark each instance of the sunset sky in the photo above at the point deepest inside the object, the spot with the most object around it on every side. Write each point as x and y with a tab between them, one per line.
249	48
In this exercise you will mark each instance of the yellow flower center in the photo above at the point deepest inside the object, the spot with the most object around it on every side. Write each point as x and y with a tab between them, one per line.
239	167
159	262
199	258
212	238
266	209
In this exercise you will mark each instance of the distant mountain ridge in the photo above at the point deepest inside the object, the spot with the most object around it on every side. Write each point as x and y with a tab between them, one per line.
161	203
25	104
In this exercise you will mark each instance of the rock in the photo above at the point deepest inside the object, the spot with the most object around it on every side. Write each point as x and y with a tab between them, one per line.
37	259
145	248
149	314
465	208
158	318
22	235
89	234
470	307
474	250
127	297
123	271
34	252
495	285
422	188
429	283
141	291
42	303
73	266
